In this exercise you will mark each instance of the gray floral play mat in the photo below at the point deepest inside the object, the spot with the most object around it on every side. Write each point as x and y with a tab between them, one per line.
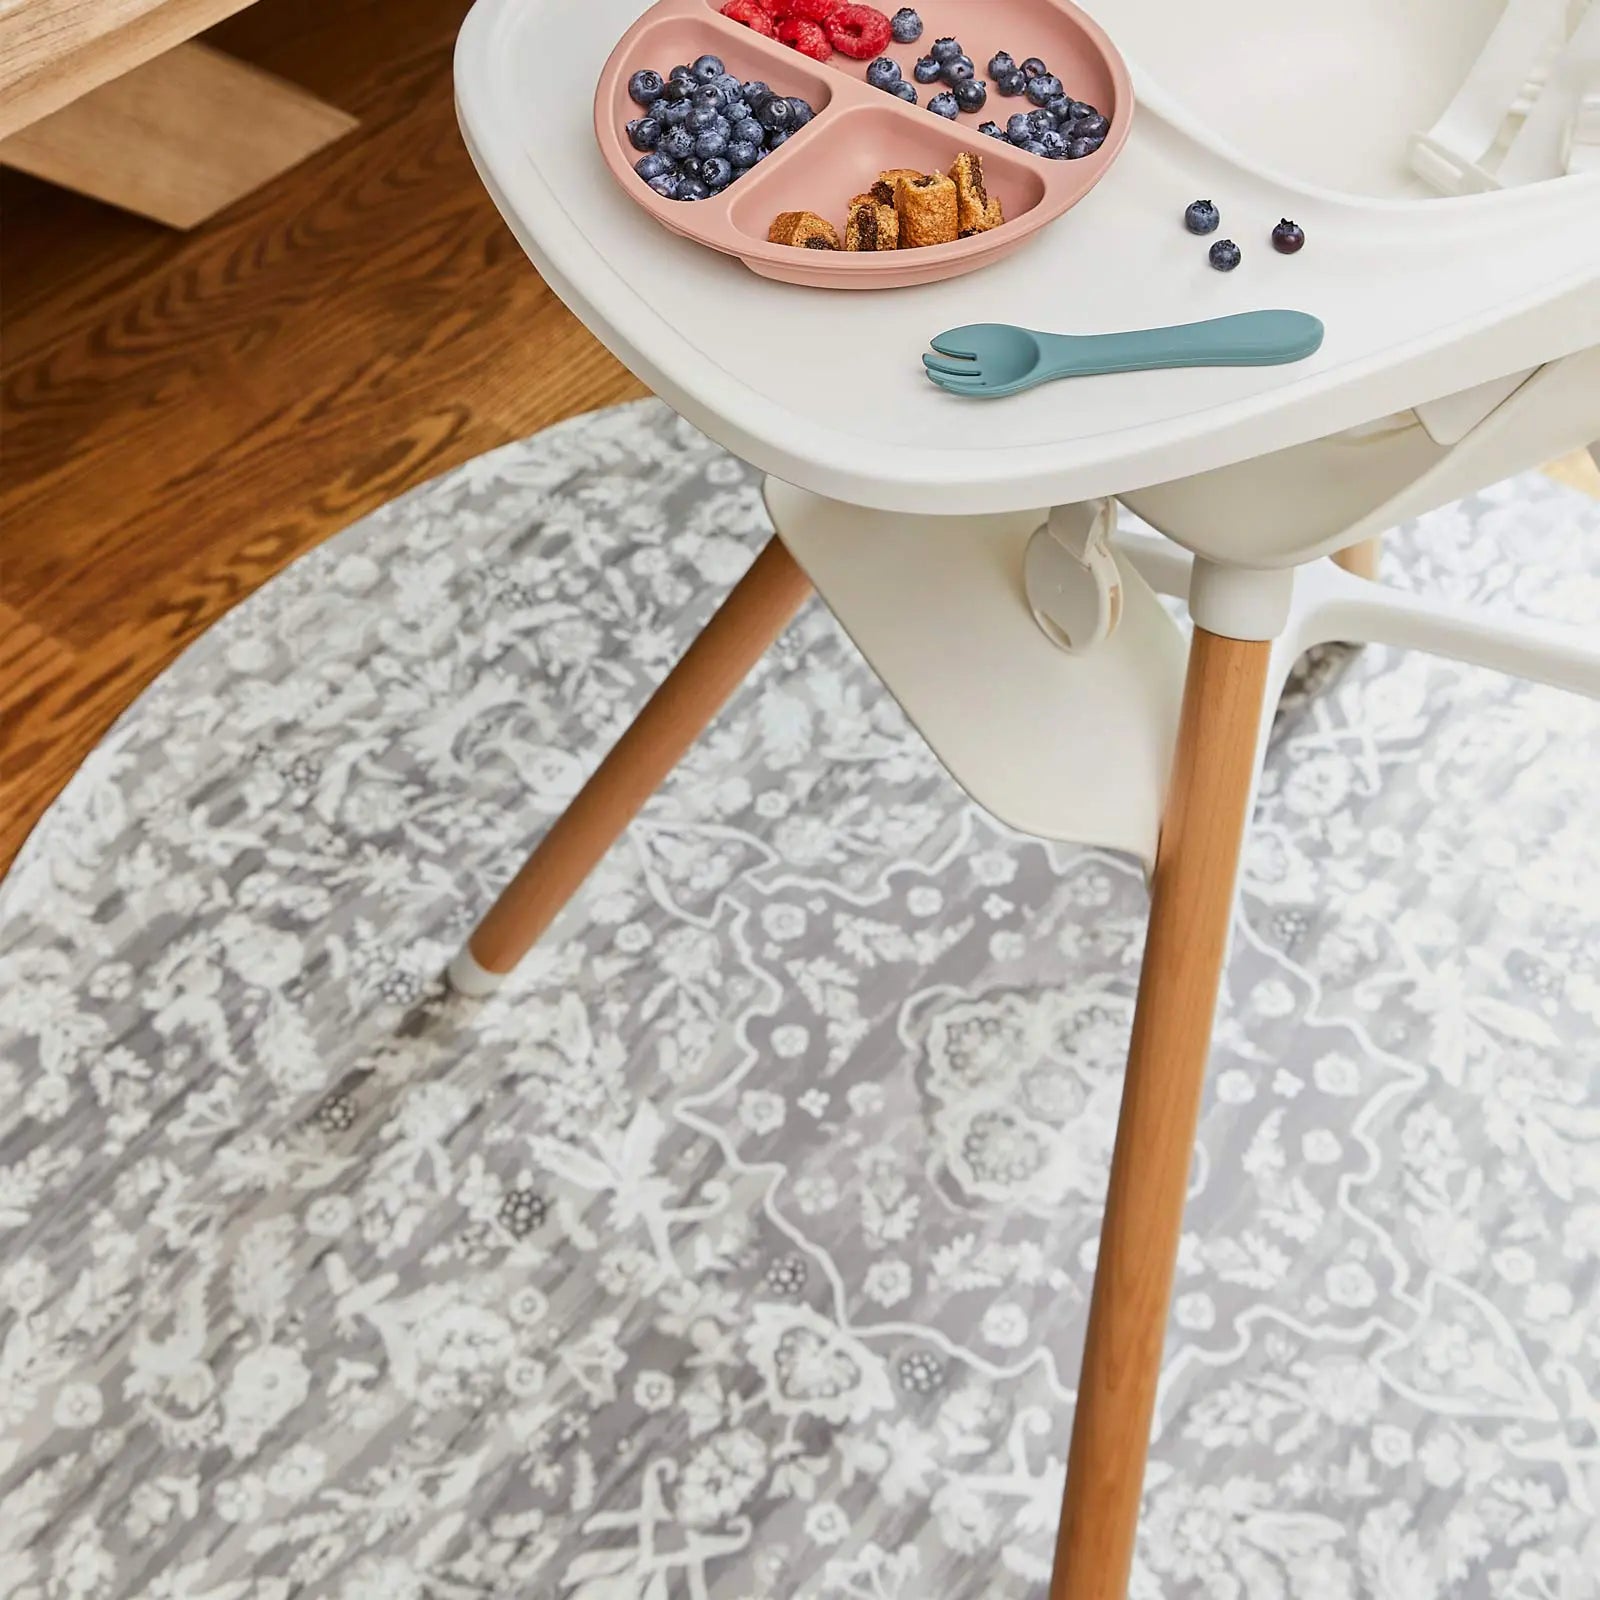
740	1248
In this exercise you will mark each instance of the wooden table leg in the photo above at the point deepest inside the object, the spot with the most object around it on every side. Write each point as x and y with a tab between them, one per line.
754	614
1192	902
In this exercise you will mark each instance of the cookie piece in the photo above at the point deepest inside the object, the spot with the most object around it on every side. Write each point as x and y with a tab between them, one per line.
928	211
871	225
976	209
805	230
883	190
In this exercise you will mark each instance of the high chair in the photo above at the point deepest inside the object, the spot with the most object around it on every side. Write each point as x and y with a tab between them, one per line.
1462	345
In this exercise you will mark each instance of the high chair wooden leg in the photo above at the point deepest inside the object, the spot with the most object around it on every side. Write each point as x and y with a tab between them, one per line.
1192	901
754	614
1362	560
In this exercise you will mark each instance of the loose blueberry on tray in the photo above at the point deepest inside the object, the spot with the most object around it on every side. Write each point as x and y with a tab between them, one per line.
945	105
704	129
1045	88
946	50
1225	255
971	95
992	129
960	70
927	70
1202	217
906	92
1033	67
906	26
1288	237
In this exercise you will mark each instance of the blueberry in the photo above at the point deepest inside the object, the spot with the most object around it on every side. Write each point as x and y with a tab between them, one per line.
945	50
756	94
692	189
992	129
736	111
1035	147
961	70
676	144
645	134
652	165
742	153
645	86
708	69
802	111
1019	129
1077	149
1224	255
748	131
1288	237
927	70
883	74
708	94
711	144
906	26
972	95
703	117
1060	107
1091	126
690	167
677	92
730	86
1054	145
1202	217
776	114
666	185
681	75
674	113
774	140
1040	123
1000	63
906	91
944	105
1042	90
1011	83
717	173
1033	67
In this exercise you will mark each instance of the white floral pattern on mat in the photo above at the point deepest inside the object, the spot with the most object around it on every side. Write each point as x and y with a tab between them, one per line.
741	1248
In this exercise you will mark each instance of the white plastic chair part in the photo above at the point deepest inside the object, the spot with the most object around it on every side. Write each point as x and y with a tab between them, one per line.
1071	578
1421	298
1450	418
1285	507
1331	606
1453	155
1581	153
1056	745
471	979
1542	145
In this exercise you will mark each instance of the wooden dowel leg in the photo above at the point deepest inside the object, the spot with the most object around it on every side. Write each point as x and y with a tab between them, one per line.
1362	560
754	614
1192	902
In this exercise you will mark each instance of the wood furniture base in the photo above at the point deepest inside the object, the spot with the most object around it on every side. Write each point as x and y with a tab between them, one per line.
115	100
754	614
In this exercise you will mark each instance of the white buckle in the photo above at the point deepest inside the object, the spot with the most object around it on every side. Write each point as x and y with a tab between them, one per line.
1071	576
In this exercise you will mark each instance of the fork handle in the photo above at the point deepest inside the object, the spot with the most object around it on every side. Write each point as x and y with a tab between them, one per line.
1249	339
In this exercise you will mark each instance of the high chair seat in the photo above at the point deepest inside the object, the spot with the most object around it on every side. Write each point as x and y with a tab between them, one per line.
1421	297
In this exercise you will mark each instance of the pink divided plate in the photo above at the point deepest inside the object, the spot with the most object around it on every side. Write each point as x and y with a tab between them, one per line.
860	131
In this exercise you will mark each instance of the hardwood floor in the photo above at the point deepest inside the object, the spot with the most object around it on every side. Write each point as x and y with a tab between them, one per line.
182	415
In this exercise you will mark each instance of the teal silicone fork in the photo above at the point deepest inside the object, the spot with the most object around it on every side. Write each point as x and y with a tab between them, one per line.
989	359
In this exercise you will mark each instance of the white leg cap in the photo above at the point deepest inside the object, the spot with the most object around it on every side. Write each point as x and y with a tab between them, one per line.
472	980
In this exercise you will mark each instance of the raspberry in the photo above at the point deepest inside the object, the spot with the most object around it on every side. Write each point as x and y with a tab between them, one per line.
808	10
859	32
752	14
806	37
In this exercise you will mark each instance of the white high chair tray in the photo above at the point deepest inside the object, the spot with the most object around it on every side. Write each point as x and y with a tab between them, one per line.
1421	297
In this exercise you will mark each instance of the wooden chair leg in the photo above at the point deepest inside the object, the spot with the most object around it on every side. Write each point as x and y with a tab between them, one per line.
754	614
1192	901
1362	560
